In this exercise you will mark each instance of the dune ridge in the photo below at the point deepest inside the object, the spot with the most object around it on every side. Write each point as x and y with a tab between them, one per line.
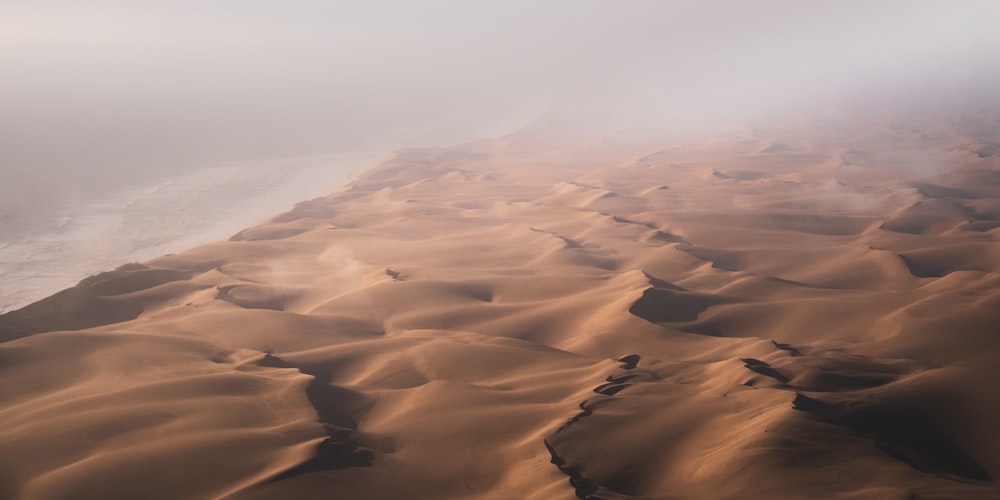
786	313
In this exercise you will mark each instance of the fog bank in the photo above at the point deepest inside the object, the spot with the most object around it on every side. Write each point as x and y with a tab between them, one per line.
103	96
139	87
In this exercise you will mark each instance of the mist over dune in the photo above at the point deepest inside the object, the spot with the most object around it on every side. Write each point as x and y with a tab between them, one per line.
109	98
136	90
544	250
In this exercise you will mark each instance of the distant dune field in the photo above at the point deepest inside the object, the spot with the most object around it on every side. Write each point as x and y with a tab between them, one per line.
787	312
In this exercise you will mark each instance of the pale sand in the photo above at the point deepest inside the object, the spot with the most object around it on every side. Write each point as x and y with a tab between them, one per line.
809	312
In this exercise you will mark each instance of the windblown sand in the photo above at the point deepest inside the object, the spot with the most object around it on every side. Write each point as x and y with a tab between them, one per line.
808	312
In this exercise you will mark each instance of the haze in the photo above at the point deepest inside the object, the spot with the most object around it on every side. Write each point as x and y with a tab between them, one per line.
100	97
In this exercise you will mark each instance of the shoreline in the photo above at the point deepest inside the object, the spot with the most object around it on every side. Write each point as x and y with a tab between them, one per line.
146	221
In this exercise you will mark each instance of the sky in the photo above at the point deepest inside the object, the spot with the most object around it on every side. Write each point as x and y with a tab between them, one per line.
100	96
136	88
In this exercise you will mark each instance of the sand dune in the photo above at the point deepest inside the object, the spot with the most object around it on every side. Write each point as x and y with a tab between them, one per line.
789	313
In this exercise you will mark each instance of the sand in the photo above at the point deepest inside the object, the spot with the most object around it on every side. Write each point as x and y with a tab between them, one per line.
797	312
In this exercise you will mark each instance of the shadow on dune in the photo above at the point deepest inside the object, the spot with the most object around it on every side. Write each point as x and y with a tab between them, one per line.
903	433
667	303
583	487
338	451
845	382
93	302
